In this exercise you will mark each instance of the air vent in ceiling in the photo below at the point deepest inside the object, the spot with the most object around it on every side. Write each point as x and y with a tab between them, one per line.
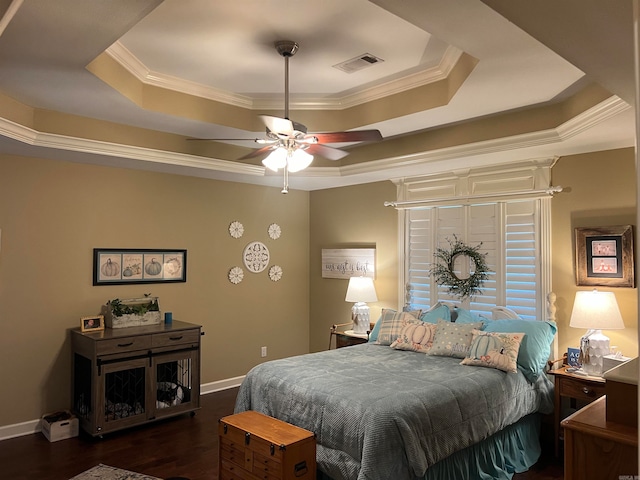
358	63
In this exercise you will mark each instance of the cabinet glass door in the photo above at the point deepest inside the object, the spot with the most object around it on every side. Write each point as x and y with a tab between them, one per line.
175	381
124	396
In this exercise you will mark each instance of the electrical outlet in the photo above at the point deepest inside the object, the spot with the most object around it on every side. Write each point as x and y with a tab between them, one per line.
263	352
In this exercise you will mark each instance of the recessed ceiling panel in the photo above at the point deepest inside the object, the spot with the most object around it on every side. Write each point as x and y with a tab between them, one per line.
229	45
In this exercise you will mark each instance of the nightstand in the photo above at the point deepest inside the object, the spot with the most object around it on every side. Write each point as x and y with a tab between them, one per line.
599	449
346	338
577	388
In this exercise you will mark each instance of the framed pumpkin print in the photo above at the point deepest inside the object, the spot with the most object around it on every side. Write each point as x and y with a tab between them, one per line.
604	256
117	266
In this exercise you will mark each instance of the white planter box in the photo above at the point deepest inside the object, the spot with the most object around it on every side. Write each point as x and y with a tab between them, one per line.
132	320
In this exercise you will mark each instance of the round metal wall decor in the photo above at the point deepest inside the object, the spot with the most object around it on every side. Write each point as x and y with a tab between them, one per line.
274	231
236	229
275	273
256	257
236	275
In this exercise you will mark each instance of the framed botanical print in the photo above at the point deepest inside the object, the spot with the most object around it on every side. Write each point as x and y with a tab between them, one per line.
604	256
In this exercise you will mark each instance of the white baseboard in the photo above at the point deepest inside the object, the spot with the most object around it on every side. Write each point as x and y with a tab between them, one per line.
33	426
20	429
221	385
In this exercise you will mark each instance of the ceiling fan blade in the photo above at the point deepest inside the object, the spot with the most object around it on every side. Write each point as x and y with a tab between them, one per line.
257	140
257	152
352	136
329	153
280	126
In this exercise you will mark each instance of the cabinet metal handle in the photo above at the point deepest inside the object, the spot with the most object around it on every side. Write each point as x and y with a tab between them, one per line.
176	338
125	344
586	390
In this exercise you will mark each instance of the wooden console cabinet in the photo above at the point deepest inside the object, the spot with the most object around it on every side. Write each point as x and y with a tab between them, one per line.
597	449
129	376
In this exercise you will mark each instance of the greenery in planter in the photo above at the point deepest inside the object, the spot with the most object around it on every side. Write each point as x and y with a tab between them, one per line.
119	309
443	271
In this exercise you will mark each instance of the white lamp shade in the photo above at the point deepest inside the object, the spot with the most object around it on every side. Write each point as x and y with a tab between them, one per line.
276	159
361	289
596	310
299	160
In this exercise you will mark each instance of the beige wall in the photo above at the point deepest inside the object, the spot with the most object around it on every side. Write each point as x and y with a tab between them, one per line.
52	215
351	217
354	216
599	191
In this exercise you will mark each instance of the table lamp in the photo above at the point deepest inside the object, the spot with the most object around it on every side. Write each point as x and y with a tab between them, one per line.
360	291
595	311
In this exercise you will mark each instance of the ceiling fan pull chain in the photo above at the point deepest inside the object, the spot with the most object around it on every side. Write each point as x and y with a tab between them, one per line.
285	189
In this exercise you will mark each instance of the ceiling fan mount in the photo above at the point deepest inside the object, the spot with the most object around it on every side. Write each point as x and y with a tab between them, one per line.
286	48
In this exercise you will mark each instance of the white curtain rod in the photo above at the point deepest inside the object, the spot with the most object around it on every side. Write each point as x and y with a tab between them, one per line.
470	198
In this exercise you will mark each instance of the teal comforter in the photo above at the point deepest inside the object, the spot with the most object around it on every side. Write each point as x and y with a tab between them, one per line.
381	414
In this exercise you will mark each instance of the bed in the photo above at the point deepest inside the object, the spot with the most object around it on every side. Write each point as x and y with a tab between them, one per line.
382	412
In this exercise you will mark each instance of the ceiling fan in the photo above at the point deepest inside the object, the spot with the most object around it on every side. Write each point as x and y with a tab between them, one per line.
288	145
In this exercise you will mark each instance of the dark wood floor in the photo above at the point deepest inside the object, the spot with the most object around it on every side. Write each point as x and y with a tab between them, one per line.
184	446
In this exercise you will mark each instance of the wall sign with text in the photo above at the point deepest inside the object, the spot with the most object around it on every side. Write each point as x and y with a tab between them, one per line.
348	262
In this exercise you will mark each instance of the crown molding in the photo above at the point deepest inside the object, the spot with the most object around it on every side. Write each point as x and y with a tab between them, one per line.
588	119
32	137
135	67
581	123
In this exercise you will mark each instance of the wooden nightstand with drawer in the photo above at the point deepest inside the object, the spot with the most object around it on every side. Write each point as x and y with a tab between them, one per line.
578	389
346	338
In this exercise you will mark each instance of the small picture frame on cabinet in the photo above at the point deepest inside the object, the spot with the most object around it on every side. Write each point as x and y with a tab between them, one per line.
92	324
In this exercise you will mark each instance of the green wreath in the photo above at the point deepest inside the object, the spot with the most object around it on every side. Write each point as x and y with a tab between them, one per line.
443	271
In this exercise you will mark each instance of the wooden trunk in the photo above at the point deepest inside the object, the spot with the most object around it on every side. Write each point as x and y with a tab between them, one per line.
254	446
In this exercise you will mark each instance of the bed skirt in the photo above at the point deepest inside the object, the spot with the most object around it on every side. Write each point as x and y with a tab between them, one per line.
512	450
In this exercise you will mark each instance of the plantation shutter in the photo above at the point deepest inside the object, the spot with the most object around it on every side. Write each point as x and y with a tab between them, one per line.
506	232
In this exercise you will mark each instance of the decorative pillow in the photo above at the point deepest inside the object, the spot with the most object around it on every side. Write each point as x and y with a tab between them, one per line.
386	312
453	339
435	313
536	345
416	337
494	350
466	316
391	324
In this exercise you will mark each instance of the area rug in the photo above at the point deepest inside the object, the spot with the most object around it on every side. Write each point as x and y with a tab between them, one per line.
105	472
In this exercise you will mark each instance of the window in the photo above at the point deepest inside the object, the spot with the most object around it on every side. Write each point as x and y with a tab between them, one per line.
512	228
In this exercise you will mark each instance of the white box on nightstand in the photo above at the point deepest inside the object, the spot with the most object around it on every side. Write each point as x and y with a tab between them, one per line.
610	361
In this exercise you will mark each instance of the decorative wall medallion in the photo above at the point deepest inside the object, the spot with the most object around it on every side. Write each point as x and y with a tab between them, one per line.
236	229
275	273
236	275
275	231
256	257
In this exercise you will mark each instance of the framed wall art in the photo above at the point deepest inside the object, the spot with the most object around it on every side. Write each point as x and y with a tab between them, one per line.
115	266
348	262
604	256
92	324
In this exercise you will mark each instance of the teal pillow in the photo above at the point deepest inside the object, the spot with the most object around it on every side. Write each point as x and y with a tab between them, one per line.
536	344
466	316
435	313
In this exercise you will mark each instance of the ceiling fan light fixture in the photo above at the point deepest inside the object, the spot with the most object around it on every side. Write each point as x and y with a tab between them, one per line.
299	160
276	159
